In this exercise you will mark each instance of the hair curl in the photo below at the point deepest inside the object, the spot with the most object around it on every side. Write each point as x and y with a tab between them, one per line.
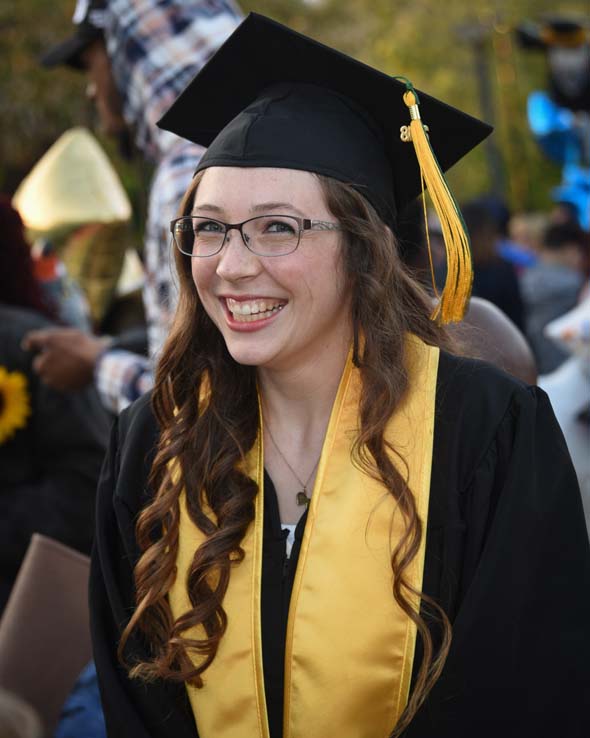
386	304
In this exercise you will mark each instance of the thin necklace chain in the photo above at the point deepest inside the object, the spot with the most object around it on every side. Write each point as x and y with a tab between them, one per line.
302	497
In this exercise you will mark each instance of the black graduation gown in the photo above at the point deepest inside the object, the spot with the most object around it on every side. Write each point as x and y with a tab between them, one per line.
507	556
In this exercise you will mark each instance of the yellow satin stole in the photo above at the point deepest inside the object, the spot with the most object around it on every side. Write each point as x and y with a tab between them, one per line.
349	647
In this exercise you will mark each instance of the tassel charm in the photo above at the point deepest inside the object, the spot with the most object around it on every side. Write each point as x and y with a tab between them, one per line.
405	133
454	298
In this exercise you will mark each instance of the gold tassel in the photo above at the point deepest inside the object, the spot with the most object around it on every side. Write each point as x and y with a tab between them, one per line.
454	298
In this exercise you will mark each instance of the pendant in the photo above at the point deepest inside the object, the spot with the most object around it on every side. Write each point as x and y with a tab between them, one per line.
302	498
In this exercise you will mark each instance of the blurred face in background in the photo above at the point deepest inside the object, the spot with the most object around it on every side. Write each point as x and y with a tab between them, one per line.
102	89
527	229
573	256
569	68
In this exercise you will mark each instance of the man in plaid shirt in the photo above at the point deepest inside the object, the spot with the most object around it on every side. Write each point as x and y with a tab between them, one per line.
139	55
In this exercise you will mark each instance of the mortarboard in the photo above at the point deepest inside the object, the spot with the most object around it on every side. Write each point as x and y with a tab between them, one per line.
273	97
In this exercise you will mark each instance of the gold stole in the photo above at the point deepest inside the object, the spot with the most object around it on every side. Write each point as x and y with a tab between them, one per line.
350	648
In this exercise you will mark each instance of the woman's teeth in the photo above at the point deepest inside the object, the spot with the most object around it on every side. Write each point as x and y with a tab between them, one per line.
246	312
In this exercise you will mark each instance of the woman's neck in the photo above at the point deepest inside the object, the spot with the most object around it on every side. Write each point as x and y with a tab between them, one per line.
301	397
296	407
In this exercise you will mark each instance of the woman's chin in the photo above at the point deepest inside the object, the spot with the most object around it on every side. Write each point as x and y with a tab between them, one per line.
244	360
250	356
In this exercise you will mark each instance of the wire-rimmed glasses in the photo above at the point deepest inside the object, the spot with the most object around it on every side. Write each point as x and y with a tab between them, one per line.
264	235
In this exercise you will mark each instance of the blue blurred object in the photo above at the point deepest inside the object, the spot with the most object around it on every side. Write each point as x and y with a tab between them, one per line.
575	190
516	254
82	715
554	128
564	137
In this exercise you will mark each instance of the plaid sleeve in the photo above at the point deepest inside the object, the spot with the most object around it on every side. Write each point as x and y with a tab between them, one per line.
121	377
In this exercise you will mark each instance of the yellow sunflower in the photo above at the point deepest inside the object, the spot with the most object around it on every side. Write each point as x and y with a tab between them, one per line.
15	404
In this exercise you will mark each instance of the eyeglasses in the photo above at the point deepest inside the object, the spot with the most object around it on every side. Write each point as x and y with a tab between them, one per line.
264	235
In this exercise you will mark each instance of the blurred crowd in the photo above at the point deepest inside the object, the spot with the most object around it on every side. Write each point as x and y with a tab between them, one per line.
84	308
535	267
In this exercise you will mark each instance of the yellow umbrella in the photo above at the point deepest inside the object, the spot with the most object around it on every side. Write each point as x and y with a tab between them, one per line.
72	184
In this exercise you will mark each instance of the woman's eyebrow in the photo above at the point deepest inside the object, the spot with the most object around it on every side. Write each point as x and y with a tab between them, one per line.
207	206
264	207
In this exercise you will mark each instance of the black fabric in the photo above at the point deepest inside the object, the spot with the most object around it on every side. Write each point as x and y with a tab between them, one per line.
132	339
278	575
507	556
89	20
273	97
69	52
298	126
49	468
497	281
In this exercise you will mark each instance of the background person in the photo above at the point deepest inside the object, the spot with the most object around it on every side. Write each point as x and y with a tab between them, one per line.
494	278
552	287
569	389
138	55
510	250
51	443
485	332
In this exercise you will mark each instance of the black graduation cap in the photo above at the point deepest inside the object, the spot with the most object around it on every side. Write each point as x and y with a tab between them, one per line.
88	18
344	124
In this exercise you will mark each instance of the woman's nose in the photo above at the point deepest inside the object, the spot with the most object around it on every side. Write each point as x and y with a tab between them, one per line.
235	260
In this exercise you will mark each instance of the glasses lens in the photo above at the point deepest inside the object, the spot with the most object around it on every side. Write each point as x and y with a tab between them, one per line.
272	235
198	236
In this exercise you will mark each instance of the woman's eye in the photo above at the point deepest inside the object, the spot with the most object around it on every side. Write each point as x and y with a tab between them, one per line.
279	226
208	226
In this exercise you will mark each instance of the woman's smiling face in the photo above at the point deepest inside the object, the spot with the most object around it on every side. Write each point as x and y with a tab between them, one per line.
275	312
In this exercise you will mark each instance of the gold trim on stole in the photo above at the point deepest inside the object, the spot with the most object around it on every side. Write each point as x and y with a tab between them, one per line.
350	648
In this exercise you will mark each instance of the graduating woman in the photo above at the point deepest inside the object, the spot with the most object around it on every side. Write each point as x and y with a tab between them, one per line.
322	522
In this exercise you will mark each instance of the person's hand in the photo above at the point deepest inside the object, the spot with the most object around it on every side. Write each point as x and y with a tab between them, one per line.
66	356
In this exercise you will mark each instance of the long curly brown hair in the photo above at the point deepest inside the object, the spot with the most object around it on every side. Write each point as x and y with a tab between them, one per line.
210	444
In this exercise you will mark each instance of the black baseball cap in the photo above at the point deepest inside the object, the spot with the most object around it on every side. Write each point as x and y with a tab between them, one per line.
273	97
553	30
89	21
